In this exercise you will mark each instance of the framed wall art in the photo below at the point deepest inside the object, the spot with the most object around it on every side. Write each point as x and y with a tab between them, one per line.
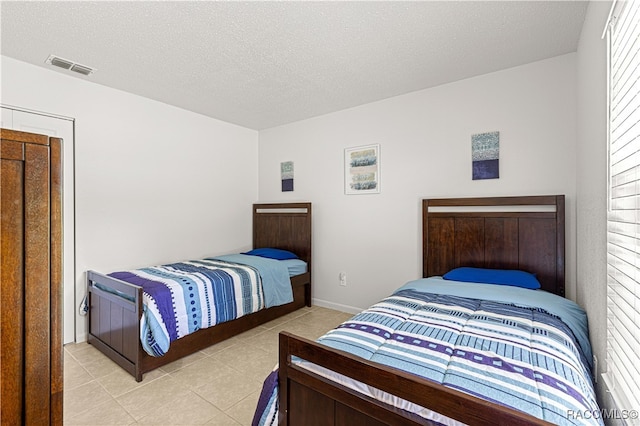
485	155
286	176
362	170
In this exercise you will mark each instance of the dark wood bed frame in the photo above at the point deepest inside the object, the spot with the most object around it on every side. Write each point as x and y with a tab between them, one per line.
114	322
531	240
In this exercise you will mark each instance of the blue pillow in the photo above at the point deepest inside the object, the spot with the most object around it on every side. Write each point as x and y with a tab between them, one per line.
272	253
511	277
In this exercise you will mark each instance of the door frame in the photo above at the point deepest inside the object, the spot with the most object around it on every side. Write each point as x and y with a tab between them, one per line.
70	313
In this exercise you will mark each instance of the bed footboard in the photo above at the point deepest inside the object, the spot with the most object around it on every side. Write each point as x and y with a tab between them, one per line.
114	320
306	398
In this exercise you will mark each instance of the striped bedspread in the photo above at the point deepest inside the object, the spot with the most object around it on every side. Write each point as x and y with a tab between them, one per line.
181	298
517	356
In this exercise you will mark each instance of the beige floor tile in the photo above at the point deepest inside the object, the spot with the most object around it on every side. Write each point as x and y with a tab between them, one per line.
219	385
118	381
77	401
228	389
183	362
306	330
248	359
74	374
73	347
185	409
66	355
202	372
289	317
306	309
152	396
344	316
221	419
325	317
267	341
82	351
244	410
219	346
286	326
94	361
106	413
249	334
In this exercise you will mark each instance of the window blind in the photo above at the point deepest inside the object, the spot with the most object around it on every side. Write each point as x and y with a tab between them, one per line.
623	217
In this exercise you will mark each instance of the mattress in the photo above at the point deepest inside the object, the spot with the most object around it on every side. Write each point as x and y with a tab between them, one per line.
295	266
183	297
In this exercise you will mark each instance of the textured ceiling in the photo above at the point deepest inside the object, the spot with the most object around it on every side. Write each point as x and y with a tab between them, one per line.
264	64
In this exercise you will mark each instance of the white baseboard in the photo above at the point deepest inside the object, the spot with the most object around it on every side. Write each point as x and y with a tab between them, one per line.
336	306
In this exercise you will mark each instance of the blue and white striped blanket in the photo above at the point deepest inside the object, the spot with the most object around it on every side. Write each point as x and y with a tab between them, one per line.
181	298
518	356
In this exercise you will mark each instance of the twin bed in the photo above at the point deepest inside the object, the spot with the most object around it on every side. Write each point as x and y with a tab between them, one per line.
451	348
139	330
446	349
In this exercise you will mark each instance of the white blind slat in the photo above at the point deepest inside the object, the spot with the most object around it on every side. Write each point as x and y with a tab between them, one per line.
623	218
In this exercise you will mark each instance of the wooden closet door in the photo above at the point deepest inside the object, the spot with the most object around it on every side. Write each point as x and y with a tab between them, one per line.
12	281
30	291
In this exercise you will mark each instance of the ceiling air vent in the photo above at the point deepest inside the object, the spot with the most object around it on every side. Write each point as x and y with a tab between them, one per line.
69	65
81	69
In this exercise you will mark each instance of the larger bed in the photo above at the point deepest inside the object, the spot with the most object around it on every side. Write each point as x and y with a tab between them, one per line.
141	332
443	351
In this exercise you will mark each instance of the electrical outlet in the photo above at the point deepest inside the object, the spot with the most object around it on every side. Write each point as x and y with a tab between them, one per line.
342	276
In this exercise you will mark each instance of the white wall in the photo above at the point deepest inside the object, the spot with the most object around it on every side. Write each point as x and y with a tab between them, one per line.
425	140
154	183
592	179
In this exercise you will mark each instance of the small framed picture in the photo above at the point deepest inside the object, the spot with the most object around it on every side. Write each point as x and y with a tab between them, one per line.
286	176
362	170
485	155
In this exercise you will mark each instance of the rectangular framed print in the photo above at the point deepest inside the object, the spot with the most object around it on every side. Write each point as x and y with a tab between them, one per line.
286	176
485	153
362	170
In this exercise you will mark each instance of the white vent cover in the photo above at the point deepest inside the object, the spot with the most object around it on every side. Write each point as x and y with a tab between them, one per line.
69	65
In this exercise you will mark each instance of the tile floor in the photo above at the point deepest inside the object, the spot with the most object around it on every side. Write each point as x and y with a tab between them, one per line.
217	386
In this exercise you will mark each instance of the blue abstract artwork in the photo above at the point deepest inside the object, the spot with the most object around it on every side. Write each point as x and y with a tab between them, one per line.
286	175
485	149
362	169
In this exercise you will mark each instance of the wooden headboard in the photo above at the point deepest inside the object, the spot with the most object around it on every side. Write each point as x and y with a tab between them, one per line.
285	226
525	233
